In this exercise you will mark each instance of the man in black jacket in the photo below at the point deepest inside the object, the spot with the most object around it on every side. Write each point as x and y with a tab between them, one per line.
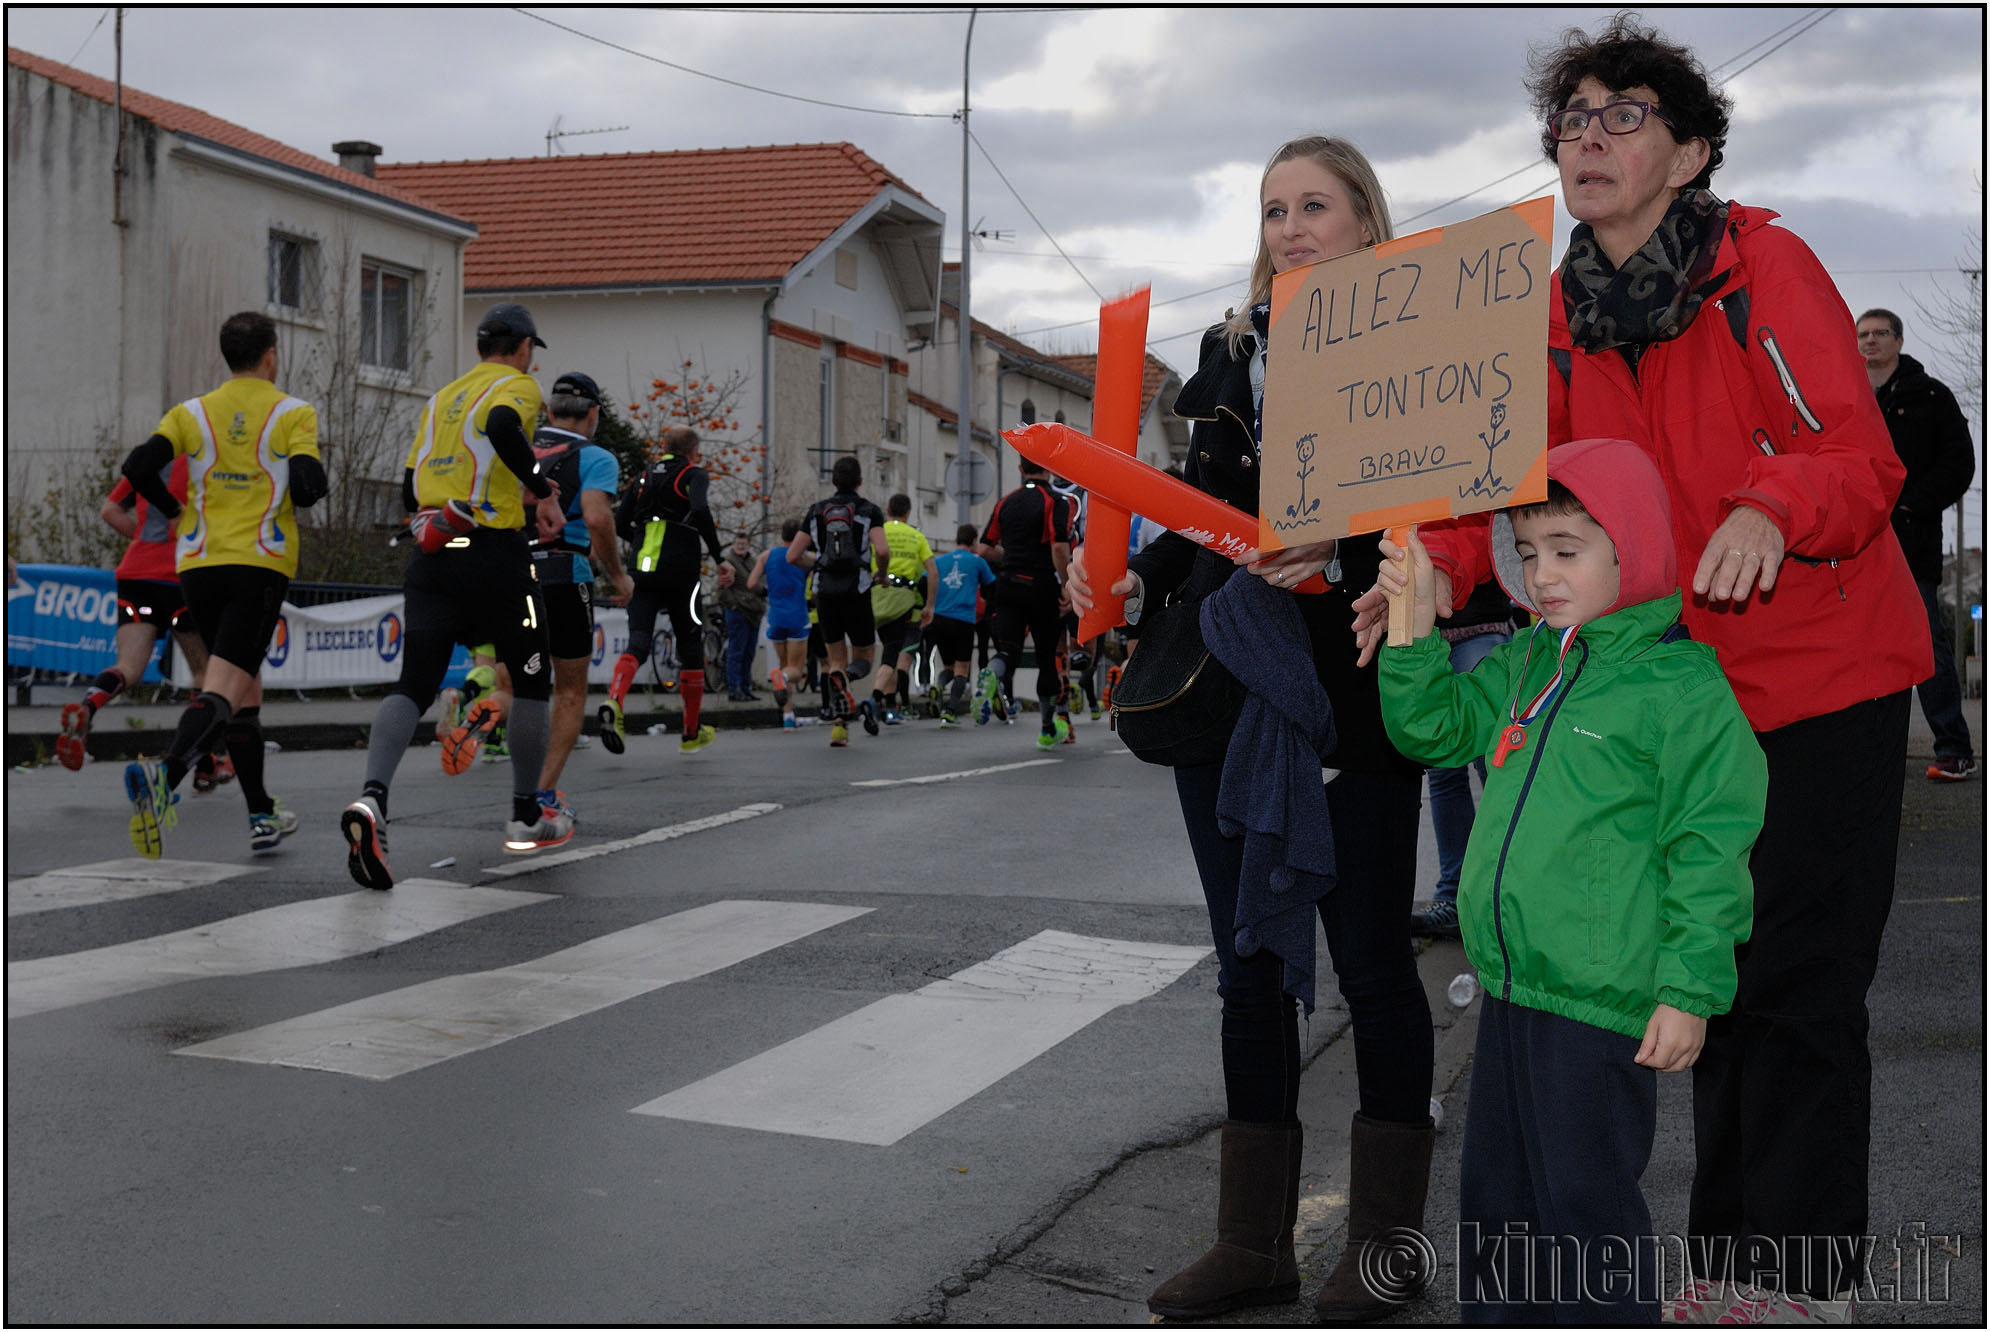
1931	436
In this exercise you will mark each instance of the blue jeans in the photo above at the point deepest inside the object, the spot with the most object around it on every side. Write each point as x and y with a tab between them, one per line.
1367	925
1451	804
1941	693
741	630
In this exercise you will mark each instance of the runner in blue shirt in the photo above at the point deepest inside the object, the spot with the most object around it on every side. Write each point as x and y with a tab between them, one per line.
962	575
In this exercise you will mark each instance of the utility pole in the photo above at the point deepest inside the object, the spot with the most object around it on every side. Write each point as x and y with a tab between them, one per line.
965	325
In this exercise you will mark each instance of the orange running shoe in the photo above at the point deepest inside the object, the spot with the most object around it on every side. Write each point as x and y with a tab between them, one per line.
460	746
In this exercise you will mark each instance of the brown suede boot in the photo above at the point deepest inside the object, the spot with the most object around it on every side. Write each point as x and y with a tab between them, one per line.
1257	1202
1388	1173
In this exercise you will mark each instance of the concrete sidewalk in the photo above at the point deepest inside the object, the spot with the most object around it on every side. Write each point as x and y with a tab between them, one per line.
1094	1256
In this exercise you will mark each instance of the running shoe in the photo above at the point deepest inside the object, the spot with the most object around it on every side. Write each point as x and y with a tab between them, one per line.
213	770
452	710
1064	728
555	802
868	711
1952	769
842	703
892	717
1053	738
495	749
69	746
947	722
1112	683
614	738
551	828
788	722
362	826
266	831
152	803
460	746
988	701
839	736
693	743
1074	697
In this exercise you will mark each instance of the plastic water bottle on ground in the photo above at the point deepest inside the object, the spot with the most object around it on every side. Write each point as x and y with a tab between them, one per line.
1463	989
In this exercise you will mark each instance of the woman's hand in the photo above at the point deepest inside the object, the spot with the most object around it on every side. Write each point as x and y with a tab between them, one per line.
1078	591
1371	608
1743	554
1291	566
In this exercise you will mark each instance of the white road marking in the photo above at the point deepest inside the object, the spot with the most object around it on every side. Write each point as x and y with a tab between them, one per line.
403	1030
654	835
297	935
887	1069
954	776
113	881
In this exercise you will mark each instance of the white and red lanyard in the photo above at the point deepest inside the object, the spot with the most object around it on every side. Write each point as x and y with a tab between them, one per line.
1515	735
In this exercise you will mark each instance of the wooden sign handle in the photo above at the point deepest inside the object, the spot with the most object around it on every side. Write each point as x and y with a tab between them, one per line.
1402	605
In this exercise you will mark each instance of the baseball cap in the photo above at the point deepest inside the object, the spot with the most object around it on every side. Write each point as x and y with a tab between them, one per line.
574	384
509	319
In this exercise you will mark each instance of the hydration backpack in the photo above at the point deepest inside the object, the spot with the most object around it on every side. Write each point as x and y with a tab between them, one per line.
559	461
841	554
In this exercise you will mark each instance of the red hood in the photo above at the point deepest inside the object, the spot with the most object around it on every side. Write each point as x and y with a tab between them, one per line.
1623	492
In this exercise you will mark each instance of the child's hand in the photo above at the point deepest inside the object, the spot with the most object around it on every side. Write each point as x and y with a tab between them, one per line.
1672	1040
1423	577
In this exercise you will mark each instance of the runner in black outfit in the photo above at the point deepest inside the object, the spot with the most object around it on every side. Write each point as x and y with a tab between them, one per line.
1030	534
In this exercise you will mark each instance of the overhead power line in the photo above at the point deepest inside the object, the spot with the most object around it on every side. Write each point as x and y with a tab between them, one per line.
732	83
987	157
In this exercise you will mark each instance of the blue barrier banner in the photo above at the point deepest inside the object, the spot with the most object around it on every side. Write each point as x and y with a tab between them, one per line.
62	617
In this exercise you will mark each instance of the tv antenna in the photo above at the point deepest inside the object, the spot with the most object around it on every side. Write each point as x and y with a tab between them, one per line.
555	134
979	235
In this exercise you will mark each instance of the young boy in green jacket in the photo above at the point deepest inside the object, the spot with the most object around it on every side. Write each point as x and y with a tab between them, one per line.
1605	885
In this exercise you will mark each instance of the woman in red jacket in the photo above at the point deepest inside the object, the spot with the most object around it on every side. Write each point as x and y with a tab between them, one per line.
1719	343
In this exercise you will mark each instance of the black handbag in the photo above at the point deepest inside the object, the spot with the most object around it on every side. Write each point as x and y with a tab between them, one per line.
1175	704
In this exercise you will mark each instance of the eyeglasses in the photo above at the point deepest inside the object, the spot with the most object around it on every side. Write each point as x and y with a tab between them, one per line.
1618	118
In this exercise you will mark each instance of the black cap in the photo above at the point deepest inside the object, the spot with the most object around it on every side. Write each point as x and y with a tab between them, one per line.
509	319
574	384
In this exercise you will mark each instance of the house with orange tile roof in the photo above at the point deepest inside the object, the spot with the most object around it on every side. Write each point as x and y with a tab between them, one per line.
1163	435
797	277
135	225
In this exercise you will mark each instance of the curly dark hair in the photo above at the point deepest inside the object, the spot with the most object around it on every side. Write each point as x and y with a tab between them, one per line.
1628	55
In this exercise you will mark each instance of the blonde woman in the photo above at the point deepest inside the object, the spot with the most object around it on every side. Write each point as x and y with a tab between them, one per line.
1319	199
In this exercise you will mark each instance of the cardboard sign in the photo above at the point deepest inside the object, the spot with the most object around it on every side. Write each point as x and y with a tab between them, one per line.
1408	382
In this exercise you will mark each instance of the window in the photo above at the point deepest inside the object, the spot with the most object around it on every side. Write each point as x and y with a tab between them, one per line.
293	273
1029	412
386	315
846	269
825	449
1060	418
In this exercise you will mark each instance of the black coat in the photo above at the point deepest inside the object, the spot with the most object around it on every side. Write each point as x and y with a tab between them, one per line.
1223	461
1931	435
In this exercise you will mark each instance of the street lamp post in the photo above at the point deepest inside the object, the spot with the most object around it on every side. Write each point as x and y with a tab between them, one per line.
965	434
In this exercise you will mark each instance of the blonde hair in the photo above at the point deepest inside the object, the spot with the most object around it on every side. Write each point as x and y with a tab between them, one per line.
1364	191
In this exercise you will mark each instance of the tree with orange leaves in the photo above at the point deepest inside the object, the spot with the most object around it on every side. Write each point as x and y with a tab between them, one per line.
734	457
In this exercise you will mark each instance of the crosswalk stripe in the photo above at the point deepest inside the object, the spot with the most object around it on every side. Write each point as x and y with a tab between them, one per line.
299	934
954	776
650	838
403	1030
112	881
887	1069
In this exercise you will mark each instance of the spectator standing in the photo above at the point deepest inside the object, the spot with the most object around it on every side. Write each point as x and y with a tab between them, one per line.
743	603
1931	435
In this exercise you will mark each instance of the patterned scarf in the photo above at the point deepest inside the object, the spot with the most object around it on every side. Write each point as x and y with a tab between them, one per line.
1655	295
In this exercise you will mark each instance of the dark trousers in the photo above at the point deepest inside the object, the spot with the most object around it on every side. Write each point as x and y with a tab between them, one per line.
1941	693
741	632
1552	1226
1782	1093
1367	920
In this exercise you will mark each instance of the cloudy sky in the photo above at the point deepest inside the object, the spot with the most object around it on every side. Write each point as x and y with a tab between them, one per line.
1134	137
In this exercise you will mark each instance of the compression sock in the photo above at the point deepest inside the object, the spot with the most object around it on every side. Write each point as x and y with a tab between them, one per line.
625	675
859	668
525	735
779	679
107	686
904	691
377	793
204	716
393	730
691	687
877	700
244	737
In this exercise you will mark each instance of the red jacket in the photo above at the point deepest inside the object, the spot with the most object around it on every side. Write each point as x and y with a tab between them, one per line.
1786	424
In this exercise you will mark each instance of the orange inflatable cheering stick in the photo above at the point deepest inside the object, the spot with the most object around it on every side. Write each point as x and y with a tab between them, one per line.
1116	418
1132	486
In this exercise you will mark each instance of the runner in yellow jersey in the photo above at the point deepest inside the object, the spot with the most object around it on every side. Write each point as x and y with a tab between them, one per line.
902	606
470	581
252	459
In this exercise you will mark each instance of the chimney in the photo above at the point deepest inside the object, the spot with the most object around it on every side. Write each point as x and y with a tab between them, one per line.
357	155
